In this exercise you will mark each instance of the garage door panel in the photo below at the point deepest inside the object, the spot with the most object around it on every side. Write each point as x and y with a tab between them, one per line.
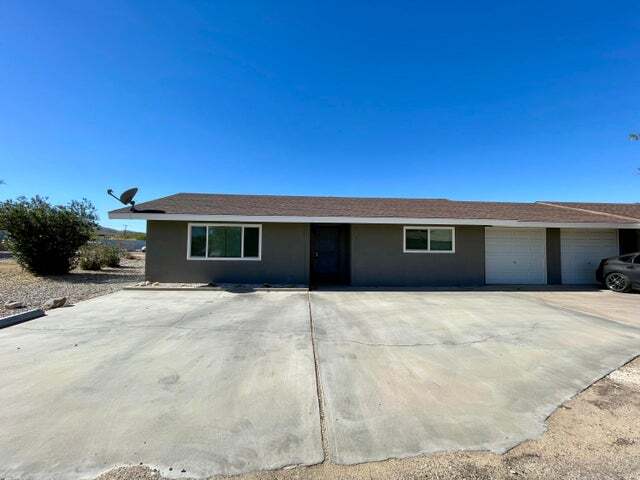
515	256
581	252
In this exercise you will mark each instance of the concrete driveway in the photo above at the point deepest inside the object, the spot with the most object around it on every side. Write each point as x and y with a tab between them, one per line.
405	373
217	382
208	382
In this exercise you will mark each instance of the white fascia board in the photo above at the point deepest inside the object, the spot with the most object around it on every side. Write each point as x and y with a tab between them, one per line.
183	217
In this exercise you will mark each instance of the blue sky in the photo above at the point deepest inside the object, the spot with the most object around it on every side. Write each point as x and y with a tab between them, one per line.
462	100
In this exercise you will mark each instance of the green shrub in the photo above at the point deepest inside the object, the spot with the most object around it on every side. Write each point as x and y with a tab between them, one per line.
45	238
90	257
111	255
94	256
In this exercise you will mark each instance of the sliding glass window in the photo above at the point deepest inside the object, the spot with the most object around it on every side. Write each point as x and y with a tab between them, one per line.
429	240
225	242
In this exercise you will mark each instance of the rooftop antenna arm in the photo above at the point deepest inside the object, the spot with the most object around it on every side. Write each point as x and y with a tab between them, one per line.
110	192
126	198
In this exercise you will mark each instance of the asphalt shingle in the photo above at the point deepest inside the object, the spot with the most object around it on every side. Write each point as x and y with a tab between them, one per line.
309	206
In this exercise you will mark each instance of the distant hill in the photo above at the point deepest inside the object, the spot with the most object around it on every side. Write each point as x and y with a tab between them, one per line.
106	232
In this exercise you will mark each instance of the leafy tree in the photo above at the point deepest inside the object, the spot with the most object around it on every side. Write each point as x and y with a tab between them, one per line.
44	238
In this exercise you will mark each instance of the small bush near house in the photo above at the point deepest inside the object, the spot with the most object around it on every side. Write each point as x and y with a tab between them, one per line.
45	238
111	255
90	257
94	256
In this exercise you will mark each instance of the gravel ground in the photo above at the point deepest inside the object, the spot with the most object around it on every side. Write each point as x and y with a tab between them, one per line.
595	435
19	285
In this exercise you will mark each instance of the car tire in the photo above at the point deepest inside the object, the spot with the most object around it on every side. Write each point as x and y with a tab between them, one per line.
618	282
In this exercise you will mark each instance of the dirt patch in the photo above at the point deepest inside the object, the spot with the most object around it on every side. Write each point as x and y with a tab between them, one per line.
17	284
596	435
130	473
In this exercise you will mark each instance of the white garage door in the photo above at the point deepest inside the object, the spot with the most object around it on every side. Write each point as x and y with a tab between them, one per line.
515	255
581	251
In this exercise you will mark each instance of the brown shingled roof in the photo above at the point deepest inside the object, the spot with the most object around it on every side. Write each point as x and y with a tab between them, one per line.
628	210
304	206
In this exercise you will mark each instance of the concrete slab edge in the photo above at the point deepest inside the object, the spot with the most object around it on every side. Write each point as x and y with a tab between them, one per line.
566	400
21	317
219	289
544	426
176	472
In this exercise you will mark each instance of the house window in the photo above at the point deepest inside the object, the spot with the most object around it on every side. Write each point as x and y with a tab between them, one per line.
198	241
416	239
224	242
441	240
429	240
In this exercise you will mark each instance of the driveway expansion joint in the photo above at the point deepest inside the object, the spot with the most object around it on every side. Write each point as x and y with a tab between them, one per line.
319	390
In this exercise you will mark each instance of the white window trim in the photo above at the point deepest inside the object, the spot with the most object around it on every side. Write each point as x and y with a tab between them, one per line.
428	250
241	258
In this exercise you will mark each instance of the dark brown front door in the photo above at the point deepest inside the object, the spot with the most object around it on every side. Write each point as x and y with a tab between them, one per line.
330	255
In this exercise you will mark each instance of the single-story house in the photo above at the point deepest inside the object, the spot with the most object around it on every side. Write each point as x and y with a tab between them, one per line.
307	240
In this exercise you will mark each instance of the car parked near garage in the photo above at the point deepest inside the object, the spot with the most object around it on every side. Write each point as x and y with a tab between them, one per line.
620	274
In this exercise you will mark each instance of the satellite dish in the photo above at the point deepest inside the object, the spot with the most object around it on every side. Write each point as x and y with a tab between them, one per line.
127	196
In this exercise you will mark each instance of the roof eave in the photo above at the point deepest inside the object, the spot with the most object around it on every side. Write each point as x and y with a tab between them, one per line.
195	218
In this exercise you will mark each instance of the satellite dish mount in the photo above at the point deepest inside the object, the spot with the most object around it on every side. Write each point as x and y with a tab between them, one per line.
126	198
